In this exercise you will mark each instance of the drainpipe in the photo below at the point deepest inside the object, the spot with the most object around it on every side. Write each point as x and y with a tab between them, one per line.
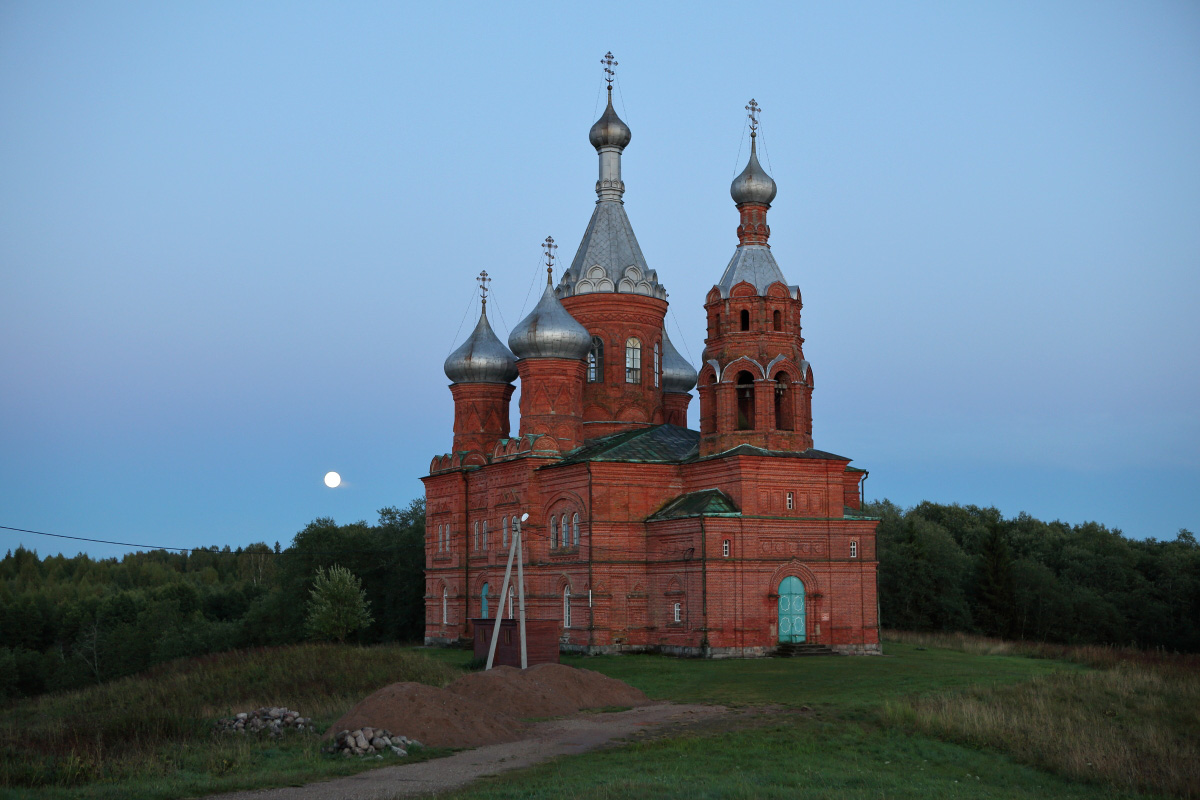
591	535
704	585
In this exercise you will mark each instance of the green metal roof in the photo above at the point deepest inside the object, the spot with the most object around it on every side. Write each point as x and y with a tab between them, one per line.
662	444
706	503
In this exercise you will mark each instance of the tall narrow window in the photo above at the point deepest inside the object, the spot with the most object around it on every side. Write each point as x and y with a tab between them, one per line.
566	532
678	609
791	500
567	607
745	401
777	320
477	535
633	360
445	605
595	361
575	530
854	549
439	538
554	532
745	318
657	364
485	545
504	532
783	403
725	548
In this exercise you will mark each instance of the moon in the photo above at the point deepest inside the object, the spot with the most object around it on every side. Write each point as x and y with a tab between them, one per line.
333	480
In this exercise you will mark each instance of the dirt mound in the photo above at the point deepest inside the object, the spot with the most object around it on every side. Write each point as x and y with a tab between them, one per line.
546	690
434	717
486	707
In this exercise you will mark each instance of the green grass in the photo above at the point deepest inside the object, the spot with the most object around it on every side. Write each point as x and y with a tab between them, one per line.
150	735
787	758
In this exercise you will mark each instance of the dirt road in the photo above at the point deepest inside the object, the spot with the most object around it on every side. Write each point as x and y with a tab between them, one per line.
546	740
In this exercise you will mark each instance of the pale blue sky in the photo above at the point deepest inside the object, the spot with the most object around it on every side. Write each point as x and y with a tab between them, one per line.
237	240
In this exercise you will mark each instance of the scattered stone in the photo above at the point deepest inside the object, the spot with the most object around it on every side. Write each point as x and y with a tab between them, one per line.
272	721
370	741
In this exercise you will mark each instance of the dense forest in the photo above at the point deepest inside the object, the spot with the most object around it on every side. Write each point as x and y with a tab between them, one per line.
66	622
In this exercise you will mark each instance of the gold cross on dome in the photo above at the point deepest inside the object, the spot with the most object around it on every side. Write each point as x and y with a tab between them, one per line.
753	109
609	62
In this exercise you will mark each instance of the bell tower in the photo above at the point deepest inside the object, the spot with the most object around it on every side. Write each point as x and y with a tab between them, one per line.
755	385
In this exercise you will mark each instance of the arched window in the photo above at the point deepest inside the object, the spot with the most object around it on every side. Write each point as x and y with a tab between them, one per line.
485	546
595	361
445	605
477	534
783	402
483	601
566	606
633	360
575	529
504	532
678	609
439	538
745	402
554	531
657	365
566	532
745	317
777	320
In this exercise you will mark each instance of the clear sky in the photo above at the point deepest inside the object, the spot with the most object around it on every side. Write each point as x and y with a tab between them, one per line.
237	240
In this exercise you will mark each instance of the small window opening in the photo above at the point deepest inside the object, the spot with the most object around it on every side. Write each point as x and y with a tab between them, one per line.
777	320
567	607
553	532
504	532
791	500
477	536
745	315
678	611
575	530
854	549
485	543
657	365
445	605
725	548
595	372
633	360
745	401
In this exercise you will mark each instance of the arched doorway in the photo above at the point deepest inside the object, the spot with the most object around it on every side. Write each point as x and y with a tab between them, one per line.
483	602
791	611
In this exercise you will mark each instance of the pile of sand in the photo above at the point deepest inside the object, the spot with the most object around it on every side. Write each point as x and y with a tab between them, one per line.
486	707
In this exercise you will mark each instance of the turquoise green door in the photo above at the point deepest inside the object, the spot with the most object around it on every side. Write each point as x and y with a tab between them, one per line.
791	611
483	605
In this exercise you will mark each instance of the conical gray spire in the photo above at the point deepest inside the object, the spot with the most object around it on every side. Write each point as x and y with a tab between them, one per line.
482	358
678	375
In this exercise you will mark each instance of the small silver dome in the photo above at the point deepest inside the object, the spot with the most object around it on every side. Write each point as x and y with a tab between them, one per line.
549	332
609	129
677	373
482	358
754	185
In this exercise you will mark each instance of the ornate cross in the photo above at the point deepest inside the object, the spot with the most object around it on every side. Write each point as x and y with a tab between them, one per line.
548	248
753	110
609	62
483	280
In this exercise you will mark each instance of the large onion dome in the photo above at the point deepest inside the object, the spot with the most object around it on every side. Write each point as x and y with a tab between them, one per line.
482	358
677	373
609	129
549	332
754	185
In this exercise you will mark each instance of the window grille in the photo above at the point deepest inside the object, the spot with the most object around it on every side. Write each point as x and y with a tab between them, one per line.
595	361
554	531
678	610
633	360
854	549
567	607
657	365
575	530
725	548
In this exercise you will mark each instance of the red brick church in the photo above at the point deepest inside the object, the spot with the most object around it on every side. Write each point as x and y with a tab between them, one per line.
644	535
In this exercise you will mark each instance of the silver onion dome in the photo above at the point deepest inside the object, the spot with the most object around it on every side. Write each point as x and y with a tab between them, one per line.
549	332
482	358
677	373
754	185
609	129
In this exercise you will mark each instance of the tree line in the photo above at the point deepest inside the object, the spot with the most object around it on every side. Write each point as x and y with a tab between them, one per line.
67	622
965	568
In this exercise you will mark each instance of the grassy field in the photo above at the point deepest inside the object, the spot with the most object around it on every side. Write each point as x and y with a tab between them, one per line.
937	717
150	735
